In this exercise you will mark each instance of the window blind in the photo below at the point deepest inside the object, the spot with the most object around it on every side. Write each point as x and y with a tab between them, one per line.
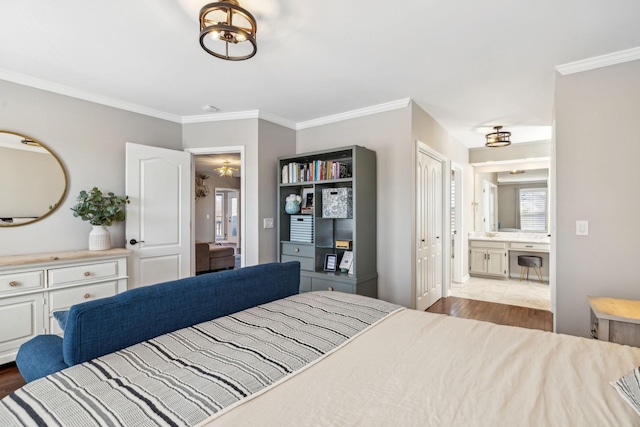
533	209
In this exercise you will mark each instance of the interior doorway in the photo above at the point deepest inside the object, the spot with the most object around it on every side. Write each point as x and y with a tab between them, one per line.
219	217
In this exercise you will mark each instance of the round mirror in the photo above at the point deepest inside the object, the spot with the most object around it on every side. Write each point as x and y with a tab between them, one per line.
33	181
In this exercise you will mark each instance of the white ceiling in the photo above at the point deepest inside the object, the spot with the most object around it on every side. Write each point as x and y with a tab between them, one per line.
209	162
470	64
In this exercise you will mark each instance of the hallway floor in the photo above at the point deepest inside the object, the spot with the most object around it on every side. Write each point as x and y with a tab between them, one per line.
530	293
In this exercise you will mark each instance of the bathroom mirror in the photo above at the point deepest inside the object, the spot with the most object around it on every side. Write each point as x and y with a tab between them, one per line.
498	195
33	181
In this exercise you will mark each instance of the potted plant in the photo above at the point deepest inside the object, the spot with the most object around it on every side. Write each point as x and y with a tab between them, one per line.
100	210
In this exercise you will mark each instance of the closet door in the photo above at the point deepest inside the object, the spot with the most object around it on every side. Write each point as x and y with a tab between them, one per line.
429	227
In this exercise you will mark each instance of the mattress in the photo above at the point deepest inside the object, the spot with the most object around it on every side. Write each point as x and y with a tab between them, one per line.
182	378
423	369
334	359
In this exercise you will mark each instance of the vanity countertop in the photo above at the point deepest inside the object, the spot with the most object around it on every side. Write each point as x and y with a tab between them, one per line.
510	237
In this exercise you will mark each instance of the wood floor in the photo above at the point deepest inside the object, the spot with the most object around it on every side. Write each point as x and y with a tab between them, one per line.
11	380
501	314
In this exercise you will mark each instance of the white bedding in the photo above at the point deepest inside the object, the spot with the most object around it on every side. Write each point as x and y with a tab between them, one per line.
421	369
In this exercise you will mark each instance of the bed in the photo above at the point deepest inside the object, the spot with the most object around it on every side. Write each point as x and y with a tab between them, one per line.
328	358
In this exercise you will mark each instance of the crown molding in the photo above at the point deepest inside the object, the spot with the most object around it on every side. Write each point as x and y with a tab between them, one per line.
86	96
220	117
599	61
380	108
277	120
215	117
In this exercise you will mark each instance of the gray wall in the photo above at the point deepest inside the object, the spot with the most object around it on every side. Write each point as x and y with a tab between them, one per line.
263	142
597	179
426	130
392	135
274	141
233	133
89	139
388	134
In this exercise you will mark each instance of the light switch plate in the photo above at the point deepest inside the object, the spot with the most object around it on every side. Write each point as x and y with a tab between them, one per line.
267	222
582	228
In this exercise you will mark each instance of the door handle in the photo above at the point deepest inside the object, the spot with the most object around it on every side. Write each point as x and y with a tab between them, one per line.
134	241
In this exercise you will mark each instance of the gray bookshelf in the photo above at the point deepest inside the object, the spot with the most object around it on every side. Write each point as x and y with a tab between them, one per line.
354	173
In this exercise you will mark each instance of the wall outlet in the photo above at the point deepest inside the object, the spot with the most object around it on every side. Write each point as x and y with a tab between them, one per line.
267	222
582	228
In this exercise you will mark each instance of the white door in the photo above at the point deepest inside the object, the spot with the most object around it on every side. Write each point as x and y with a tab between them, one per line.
429	231
159	184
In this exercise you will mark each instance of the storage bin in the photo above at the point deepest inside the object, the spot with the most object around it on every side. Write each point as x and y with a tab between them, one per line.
301	228
337	202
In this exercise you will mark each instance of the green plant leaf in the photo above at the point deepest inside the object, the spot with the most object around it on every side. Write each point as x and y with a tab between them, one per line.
100	209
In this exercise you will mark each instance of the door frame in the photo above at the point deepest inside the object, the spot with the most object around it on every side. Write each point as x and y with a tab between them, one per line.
446	226
458	252
243	182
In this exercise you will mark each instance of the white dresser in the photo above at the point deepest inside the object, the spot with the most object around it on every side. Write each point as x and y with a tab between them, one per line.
32	287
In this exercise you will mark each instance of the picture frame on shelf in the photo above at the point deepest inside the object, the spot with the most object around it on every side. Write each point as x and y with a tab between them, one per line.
307	197
307	201
330	262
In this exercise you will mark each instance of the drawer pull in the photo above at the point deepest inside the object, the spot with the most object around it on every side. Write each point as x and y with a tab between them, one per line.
528	246
296	249
87	273
13	284
87	296
330	288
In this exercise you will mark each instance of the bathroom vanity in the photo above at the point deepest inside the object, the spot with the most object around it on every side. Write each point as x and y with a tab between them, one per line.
495	254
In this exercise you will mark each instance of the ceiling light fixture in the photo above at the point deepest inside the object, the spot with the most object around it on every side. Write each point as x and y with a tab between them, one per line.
225	169
498	138
228	31
516	172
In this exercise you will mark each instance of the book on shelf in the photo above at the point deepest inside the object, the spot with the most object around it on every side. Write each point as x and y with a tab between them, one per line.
347	261
317	170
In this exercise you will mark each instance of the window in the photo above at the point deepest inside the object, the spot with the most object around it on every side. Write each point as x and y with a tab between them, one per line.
219	207
533	209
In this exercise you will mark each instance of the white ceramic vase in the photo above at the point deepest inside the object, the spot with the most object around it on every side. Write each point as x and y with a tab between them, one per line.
99	238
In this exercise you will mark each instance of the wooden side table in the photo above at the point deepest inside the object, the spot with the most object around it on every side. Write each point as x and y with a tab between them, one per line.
615	320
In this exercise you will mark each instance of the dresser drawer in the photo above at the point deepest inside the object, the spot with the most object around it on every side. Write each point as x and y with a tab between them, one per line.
19	282
82	273
329	285
64	298
297	249
530	246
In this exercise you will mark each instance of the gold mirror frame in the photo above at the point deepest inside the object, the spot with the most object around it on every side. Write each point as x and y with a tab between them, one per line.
27	140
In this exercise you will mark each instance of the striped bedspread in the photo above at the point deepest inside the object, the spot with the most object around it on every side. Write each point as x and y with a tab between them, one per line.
182	378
